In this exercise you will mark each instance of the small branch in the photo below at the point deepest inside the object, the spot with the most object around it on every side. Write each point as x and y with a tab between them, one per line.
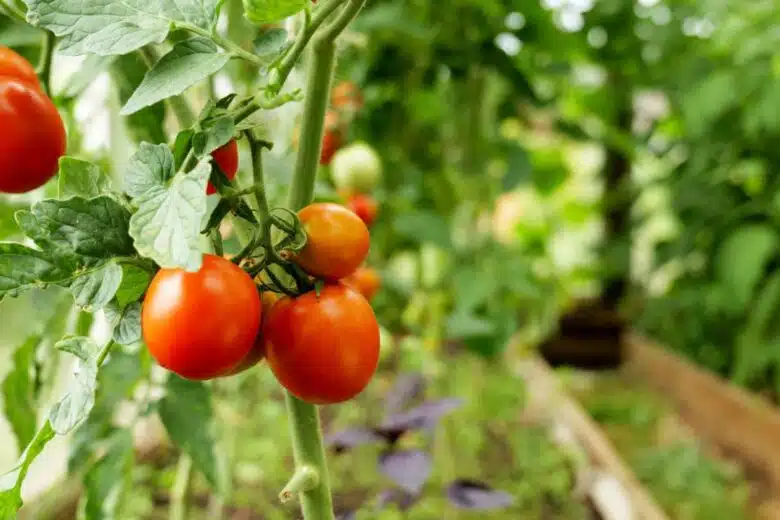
44	62
180	493
216	242
233	48
256	146
304	479
335	28
13	12
104	353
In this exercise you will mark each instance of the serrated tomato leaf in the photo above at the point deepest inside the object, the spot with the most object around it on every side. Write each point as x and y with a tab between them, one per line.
79	178
187	63
18	399
151	166
23	268
126	322
79	398
96	287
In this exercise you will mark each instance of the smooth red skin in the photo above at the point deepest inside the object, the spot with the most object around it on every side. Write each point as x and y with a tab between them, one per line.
257	353
337	241
33	137
364	206
331	142
323	349
226	158
365	280
201	325
15	66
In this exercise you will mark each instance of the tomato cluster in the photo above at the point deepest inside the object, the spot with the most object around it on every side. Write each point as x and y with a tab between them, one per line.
33	132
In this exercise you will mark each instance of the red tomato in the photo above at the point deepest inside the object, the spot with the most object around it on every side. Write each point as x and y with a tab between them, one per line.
364	206
201	325
323	349
14	65
258	349
331	142
226	158
365	280
346	95
33	137
337	241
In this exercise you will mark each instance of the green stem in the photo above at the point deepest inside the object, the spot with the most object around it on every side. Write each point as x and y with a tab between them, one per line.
104	353
180	493
308	451
256	147
233	48
44	62
13	12
179	104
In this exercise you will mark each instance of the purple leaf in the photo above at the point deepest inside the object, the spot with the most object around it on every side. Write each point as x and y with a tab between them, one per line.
424	416
346	439
469	494
402	498
406	388
408	469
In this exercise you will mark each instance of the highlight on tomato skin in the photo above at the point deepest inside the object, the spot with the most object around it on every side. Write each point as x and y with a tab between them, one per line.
324	349
34	136
226	158
337	241
201	324
14	65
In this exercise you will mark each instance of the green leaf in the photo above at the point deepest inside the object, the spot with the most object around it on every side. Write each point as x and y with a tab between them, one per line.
270	42
188	62
261	12
424	227
166	227
79	178
181	146
79	399
742	259
135	280
8	227
105	28
145	125
750	352
88	228
106	482
95	288
11	497
126	323
18	399
460	326
187	415
151	166
474	286
23	268
217	133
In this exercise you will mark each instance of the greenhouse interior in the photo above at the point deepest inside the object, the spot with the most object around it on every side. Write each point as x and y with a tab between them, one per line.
389	259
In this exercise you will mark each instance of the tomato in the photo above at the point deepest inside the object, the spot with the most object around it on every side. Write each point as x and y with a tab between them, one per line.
365	280
331	142
364	206
346	95
337	241
33	137
226	158
323	349
201	325
13	65
356	168
257	353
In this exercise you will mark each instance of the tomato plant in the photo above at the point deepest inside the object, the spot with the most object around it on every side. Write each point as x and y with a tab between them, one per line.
34	136
201	325
356	168
365	280
364	206
337	241
13	65
226	157
323	347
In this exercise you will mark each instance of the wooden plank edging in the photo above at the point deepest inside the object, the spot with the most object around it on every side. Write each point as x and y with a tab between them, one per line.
721	413
543	382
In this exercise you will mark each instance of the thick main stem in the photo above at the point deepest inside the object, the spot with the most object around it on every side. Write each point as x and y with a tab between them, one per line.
316	502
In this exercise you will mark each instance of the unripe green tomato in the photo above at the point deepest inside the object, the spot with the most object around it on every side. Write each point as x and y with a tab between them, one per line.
356	168
404	271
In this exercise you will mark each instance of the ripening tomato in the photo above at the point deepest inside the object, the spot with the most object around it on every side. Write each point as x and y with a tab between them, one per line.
364	206
346	95
356	168
226	158
323	348
14	65
331	142
201	325
337	241
365	280
257	353
33	137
